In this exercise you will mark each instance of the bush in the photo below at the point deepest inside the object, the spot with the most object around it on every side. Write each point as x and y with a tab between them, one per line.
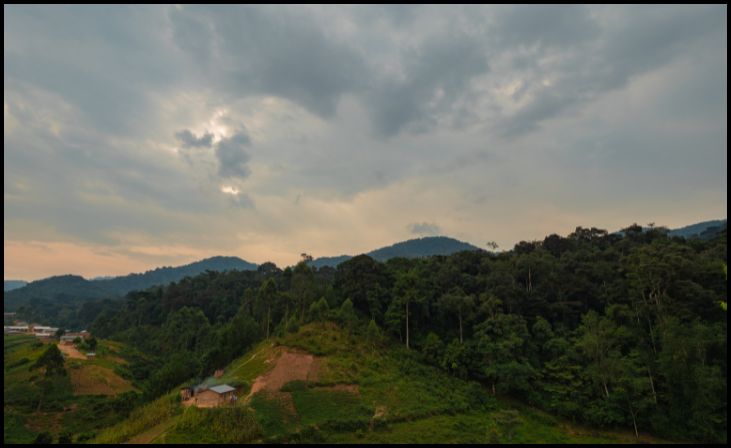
294	386
64	438
52	360
292	325
44	438
85	436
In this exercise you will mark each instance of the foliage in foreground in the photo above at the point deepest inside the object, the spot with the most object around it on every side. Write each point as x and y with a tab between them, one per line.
235	424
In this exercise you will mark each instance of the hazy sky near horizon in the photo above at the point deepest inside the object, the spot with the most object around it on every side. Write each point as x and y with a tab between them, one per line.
140	136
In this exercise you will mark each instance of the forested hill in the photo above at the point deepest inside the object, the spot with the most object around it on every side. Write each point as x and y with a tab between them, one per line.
616	331
419	247
72	289
165	275
63	289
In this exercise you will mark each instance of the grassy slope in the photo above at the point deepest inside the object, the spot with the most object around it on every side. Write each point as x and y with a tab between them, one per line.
73	404
413	403
421	403
165	412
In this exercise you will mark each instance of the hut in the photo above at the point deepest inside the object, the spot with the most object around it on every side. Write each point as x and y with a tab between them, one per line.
77	334
215	396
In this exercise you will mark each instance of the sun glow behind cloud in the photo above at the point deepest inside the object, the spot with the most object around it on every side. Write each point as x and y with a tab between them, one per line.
228	189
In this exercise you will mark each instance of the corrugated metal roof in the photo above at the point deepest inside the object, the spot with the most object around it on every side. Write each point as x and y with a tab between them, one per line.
222	389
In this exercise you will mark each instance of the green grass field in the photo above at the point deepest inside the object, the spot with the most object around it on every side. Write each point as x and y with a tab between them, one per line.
33	405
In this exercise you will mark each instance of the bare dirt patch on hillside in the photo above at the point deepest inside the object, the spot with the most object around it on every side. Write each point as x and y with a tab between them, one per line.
92	379
289	366
71	351
117	360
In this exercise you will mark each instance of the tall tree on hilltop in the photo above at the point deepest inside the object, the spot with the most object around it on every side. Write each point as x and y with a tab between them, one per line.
266	299
405	293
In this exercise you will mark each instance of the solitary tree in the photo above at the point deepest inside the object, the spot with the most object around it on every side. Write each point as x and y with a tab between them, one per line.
373	333
405	294
91	343
266	299
52	360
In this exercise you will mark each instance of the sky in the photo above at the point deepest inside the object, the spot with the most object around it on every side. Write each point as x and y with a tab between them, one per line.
142	136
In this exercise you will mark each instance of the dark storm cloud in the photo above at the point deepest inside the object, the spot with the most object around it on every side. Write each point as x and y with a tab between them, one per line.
194	34
544	25
105	60
255	50
189	140
436	76
232	159
604	59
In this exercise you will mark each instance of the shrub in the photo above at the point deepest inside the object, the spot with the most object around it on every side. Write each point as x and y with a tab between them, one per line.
44	438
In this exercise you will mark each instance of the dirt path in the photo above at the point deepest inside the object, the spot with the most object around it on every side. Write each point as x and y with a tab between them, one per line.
290	366
71	351
152	433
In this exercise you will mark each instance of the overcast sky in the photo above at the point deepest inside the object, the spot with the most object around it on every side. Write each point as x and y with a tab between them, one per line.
136	137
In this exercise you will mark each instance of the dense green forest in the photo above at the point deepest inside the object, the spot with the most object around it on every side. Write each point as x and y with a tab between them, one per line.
605	329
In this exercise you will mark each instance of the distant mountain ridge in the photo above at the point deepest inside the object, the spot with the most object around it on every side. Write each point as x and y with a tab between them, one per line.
705	229
418	247
73	288
164	275
9	285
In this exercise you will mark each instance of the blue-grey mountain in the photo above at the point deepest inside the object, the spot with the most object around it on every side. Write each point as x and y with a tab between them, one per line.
73	288
9	285
418	247
704	230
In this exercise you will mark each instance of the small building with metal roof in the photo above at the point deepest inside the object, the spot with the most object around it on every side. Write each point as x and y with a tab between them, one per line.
209	397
